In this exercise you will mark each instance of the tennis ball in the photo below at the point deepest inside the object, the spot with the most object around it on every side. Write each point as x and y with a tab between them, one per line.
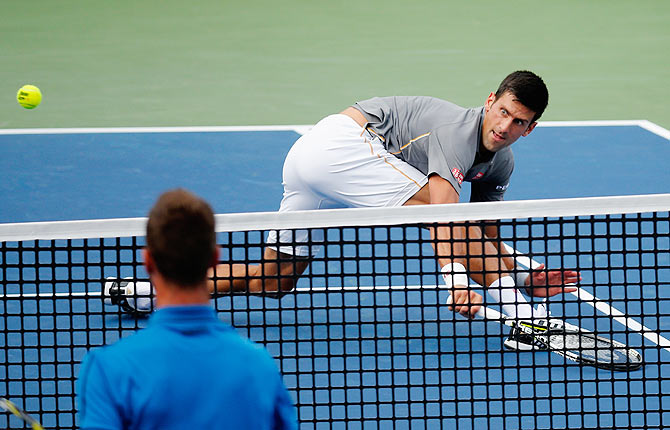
29	96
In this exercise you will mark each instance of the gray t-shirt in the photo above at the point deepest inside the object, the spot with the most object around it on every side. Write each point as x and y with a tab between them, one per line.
439	137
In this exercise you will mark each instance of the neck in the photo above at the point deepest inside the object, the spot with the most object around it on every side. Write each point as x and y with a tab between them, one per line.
171	294
484	154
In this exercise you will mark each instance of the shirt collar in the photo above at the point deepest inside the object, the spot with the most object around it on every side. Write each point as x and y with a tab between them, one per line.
185	317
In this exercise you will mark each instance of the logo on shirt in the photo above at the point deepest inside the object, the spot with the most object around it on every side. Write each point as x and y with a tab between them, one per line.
478	176
458	175
502	187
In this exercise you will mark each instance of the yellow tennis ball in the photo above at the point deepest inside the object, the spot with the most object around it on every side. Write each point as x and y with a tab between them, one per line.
29	96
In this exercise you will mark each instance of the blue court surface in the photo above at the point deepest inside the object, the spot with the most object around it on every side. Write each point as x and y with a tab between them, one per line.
92	174
50	177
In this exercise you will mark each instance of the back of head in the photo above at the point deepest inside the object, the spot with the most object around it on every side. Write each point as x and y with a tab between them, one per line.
528	88
181	237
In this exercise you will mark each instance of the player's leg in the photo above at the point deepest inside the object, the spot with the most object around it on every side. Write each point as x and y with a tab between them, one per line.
286	255
484	260
278	273
421	197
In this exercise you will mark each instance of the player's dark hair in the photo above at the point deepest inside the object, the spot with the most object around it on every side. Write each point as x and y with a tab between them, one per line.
181	237
528	88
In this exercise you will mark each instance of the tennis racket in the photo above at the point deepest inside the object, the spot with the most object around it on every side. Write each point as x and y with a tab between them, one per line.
572	342
12	408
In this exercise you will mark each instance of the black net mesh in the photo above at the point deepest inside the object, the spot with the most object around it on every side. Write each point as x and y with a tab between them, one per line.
366	339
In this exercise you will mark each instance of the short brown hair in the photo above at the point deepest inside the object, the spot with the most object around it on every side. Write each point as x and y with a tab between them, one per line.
181	237
528	88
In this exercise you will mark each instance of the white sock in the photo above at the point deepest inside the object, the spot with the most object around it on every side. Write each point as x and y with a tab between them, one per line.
514	304
541	311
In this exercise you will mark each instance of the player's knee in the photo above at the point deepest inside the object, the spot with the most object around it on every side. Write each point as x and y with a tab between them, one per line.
273	283
284	287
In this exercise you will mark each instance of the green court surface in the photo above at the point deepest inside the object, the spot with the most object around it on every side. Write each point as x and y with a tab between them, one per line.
210	62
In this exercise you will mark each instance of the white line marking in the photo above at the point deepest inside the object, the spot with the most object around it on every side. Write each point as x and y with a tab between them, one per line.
621	318
95	294
656	129
594	123
110	130
642	123
49	295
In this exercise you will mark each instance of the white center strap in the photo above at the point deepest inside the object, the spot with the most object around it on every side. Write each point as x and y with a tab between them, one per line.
454	274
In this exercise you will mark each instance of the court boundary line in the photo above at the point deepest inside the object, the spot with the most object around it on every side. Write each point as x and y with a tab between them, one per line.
301	129
642	123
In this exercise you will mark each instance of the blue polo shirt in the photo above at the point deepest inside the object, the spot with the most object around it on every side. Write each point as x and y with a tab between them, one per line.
185	370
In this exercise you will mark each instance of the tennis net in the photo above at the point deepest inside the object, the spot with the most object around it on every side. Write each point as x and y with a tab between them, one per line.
366	340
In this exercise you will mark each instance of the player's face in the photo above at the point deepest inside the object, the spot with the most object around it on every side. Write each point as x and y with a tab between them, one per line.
505	120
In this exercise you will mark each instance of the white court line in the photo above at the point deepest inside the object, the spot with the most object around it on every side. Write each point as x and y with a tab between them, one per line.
300	289
655	128
603	307
302	129
642	123
49	295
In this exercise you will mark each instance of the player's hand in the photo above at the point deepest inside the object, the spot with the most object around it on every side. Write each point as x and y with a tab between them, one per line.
465	302
547	283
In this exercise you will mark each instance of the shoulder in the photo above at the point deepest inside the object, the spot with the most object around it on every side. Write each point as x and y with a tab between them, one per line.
137	343
106	359
455	118
459	129
253	351
446	111
413	102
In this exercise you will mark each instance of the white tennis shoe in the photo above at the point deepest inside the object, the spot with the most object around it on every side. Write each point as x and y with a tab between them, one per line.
522	337
133	297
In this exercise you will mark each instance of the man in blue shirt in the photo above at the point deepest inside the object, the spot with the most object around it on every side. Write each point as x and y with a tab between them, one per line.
186	369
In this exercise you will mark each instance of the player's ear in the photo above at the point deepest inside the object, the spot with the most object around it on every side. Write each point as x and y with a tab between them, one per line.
215	257
529	129
489	101
148	262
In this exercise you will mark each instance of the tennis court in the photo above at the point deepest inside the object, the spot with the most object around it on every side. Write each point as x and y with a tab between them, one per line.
366	341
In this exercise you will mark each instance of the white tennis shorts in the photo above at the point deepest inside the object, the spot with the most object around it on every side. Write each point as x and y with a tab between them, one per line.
339	164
